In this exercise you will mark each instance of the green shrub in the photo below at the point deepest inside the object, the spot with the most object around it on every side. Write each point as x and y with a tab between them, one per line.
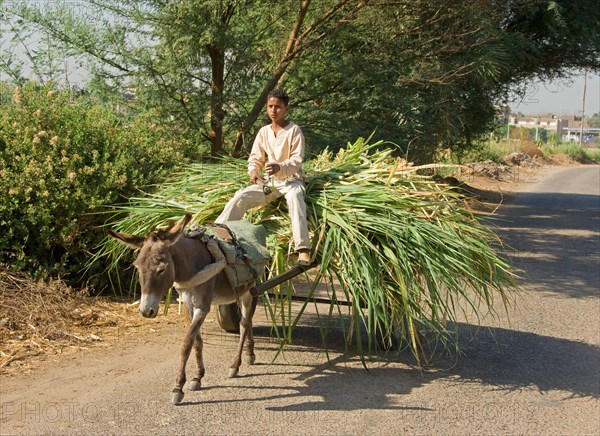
63	157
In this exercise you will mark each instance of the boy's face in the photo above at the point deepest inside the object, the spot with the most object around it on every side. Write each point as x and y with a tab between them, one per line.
276	109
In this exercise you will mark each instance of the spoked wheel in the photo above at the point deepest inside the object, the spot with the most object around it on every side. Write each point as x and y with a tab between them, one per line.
229	317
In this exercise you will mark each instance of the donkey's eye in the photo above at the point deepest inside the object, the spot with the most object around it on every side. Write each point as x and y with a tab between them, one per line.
159	271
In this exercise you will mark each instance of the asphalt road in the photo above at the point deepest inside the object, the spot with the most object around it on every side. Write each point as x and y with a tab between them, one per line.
535	370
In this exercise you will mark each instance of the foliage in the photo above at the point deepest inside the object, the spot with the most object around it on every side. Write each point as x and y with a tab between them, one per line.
423	74
485	150
419	74
209	64
497	150
406	252
553	139
63	157
540	29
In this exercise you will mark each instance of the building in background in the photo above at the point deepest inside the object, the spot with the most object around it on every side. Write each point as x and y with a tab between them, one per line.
566	127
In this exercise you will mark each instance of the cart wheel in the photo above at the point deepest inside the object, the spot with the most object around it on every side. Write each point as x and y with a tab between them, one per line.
229	317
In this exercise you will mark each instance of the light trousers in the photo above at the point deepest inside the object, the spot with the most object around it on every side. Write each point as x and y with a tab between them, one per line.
253	196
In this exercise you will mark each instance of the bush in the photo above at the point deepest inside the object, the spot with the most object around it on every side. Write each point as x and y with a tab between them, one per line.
484	150
531	149
64	157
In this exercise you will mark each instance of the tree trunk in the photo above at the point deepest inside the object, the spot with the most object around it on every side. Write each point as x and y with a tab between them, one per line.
217	114
260	103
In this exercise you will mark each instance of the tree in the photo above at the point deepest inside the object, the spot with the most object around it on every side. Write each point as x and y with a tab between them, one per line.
200	59
417	72
422	84
431	74
306	33
551	38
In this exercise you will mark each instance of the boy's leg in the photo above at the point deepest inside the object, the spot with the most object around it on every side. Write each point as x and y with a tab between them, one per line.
244	199
294	196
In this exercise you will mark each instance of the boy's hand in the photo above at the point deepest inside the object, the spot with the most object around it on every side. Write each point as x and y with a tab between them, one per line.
254	177
272	168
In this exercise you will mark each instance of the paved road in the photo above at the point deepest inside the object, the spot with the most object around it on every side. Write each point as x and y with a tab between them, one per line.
535	372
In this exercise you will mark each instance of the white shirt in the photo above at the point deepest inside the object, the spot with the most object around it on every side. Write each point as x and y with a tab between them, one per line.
286	149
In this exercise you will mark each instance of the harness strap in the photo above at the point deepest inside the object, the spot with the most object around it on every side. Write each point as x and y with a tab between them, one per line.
209	271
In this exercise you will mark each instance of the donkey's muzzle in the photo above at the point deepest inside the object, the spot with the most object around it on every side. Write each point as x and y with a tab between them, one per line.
149	305
148	312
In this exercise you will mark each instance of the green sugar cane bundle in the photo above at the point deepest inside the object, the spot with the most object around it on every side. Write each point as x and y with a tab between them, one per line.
407	251
404	250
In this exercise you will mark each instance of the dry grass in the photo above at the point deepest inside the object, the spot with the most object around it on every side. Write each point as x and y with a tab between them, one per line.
531	148
44	318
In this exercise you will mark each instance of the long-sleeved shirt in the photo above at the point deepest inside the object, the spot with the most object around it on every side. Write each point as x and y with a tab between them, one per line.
286	149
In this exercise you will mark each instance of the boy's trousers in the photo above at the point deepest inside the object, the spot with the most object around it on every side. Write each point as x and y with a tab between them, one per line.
253	196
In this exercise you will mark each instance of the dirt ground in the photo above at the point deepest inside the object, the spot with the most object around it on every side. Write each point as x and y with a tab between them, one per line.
102	368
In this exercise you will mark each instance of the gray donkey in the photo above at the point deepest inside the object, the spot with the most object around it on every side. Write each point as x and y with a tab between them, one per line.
195	268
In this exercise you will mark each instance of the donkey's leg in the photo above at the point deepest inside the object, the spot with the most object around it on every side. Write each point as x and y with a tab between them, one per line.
245	331
196	382
249	355
186	348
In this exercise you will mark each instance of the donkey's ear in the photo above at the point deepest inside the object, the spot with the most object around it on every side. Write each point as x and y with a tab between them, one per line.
132	240
173	232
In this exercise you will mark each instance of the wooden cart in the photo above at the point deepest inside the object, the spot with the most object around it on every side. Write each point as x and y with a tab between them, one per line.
229	315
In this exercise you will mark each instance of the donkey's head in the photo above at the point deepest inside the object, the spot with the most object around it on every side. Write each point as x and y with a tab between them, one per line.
154	263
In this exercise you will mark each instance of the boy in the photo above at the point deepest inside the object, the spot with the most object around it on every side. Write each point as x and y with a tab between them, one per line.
279	148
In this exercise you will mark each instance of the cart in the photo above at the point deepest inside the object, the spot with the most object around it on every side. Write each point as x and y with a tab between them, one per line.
229	315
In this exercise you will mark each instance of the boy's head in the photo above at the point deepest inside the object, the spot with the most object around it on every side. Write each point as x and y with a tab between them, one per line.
280	94
277	106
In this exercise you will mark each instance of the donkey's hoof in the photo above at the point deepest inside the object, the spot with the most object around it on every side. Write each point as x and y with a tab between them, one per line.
233	372
176	397
249	359
195	385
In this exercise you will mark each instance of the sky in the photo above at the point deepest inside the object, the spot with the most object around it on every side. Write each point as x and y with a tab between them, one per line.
561	97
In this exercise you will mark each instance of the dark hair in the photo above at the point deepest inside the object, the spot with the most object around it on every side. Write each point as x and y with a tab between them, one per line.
280	94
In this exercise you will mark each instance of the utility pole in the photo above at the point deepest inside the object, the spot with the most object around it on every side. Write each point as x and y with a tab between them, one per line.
583	108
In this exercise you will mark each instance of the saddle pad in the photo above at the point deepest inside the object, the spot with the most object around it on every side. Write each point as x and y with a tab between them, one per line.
253	241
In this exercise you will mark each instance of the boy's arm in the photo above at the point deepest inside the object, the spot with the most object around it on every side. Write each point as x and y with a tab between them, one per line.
257	158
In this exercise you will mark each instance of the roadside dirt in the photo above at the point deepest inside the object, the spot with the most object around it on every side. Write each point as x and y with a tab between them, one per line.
43	319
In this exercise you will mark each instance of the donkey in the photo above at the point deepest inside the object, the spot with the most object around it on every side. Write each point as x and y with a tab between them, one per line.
166	259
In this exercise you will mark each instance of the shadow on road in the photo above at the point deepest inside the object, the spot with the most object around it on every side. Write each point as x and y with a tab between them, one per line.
553	241
501	358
